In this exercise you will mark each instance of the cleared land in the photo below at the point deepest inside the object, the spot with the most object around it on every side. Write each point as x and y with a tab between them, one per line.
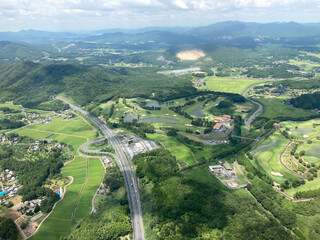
231	85
77	201
180	151
191	55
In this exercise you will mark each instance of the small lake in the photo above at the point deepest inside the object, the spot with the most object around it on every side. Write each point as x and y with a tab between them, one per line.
198	113
129	117
155	120
155	104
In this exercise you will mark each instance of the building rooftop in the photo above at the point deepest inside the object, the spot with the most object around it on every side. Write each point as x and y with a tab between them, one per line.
217	126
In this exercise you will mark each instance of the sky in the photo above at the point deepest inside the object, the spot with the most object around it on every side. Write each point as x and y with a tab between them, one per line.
85	15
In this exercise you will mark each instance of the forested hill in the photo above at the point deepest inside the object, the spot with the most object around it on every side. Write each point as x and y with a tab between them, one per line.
31	83
307	101
12	51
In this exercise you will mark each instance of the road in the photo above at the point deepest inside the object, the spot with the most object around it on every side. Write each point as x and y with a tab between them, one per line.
127	170
256	114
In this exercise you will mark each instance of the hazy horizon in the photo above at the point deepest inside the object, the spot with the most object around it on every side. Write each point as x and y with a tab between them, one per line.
89	15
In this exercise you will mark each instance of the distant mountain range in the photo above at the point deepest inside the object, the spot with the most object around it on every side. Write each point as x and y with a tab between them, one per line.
227	32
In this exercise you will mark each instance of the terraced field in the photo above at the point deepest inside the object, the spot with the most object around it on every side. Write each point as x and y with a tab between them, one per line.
77	202
180	151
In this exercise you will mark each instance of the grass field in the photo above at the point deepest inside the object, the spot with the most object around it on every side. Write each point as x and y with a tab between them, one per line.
305	129
241	177
304	64
267	159
74	126
231	85
180	151
67	212
159	118
273	108
74	132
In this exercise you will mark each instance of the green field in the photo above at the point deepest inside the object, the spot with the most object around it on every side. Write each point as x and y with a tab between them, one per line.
74	132
74	126
180	151
231	85
305	129
75	204
267	159
273	108
303	64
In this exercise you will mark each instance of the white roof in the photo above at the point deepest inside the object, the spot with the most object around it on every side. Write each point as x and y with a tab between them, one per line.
215	167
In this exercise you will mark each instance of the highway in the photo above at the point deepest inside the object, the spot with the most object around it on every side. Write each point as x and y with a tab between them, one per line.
127	170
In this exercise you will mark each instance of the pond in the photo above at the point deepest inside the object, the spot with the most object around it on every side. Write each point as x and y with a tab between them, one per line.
155	104
198	113
156	119
129	117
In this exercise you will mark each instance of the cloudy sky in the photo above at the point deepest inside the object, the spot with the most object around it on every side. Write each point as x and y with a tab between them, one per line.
83	15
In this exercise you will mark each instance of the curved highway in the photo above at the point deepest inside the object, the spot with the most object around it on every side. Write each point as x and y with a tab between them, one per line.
127	170
256	114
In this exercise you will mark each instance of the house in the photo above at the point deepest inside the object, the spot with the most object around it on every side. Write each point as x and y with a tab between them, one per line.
217	126
277	125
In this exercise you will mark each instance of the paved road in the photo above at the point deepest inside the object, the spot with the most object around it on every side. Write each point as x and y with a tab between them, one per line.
126	168
256	114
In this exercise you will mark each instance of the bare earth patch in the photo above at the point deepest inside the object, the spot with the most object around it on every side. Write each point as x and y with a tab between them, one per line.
276	174
190	55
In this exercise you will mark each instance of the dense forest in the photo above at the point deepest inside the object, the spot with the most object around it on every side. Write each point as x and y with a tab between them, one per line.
307	101
178	207
31	84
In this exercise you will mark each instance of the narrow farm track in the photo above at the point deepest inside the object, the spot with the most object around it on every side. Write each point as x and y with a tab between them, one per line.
81	191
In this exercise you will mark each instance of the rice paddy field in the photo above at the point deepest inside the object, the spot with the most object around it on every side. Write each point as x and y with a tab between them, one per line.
180	151
266	158
77	202
231	85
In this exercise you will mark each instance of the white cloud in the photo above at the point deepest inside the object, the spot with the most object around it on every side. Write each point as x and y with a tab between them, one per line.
180	4
46	14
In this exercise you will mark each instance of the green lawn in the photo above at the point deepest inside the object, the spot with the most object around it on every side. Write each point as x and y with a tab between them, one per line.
31	133
60	222
267	160
273	108
180	151
303	129
231	85
310	185
202	175
241	177
74	126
